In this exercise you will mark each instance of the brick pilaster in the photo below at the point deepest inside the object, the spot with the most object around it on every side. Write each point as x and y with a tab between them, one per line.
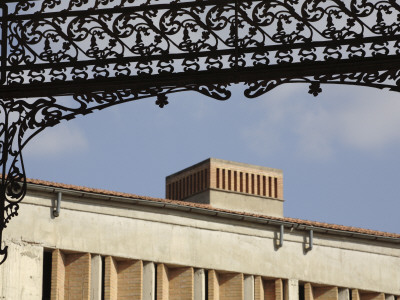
181	283
308	292
213	285
57	275
355	295
130	280
77	276
326	293
162	282
231	286
110	279
258	288
278	289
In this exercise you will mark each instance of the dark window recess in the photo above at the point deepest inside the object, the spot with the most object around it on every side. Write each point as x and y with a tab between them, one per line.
235	181
190	184
269	187
217	178
301	292
175	191
202	180
103	276
155	281
199	181
252	184
46	280
193	183
206	283
264	186
229	179
180	189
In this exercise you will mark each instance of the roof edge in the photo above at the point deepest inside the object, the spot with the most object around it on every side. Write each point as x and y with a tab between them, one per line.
245	216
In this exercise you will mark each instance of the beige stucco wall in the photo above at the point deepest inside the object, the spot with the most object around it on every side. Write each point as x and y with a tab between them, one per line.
107	227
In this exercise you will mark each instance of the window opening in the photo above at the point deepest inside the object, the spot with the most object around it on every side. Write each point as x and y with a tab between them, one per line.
264	186
46	279
103	276
223	179
301	292
235	181
269	186
252	184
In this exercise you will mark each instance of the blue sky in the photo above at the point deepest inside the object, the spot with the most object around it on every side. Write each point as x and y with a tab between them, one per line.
339	151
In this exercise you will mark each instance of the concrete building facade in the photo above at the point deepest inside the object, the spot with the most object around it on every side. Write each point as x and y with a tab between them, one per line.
196	245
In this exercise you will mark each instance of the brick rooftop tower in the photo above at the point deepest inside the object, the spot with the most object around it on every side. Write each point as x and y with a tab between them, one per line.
229	185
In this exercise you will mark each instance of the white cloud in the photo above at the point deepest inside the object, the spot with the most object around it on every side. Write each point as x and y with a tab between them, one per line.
62	139
364	119
371	123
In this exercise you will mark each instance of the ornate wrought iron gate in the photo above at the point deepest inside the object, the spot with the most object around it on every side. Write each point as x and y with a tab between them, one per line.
62	58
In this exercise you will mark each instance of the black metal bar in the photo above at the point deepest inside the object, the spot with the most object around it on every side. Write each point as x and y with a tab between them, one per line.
4	24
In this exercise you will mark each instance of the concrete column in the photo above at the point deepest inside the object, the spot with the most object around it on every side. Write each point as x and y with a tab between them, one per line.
344	294
292	290
149	281
248	287
388	297
199	284
96	271
21	274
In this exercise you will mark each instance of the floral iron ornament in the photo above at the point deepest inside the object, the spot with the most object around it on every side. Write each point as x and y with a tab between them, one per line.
63	58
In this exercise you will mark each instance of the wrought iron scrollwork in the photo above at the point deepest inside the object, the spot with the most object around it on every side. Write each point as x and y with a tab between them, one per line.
47	44
60	59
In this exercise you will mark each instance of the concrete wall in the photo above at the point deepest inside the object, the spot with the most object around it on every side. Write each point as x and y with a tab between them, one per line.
176	237
239	202
21	273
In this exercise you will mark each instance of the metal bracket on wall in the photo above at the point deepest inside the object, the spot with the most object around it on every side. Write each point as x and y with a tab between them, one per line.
56	211
281	233
310	240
